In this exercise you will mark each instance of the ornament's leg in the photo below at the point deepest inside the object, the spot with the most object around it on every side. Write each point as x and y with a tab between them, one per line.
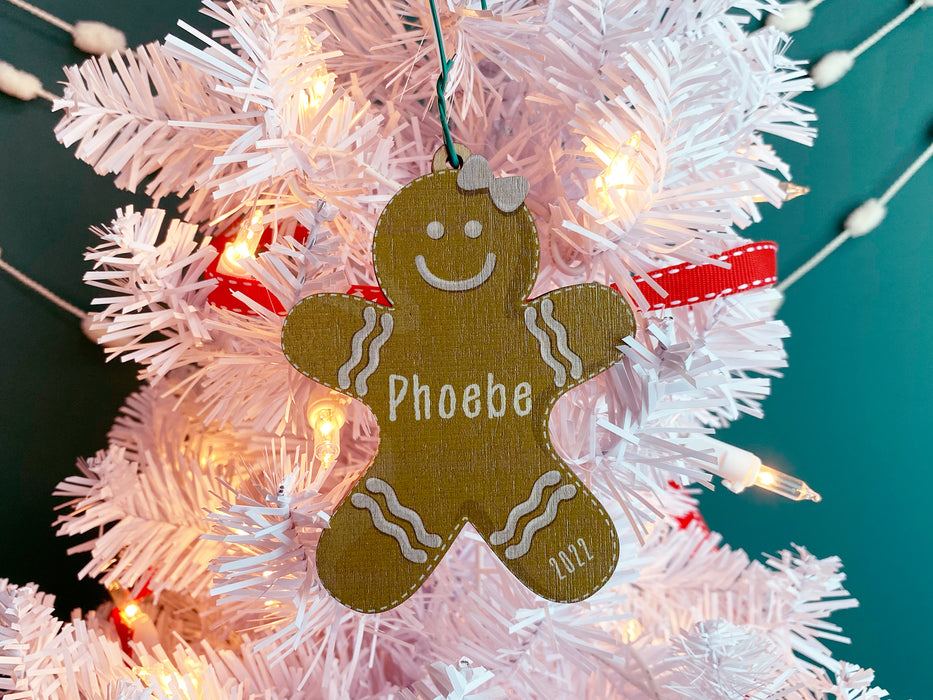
550	531
383	541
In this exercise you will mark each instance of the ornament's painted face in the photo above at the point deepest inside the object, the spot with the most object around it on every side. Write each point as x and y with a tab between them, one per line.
435	239
472	229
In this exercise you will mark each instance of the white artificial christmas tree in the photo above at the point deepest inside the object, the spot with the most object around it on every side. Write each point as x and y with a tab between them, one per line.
639	126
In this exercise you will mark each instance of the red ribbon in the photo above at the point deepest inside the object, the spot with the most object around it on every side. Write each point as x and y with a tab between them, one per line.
751	266
369	292
223	296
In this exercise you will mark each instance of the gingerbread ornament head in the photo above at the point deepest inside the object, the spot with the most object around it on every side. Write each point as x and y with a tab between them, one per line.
457	231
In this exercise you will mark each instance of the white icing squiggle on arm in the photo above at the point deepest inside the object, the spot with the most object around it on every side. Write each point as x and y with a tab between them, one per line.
576	364
387	324
356	347
560	374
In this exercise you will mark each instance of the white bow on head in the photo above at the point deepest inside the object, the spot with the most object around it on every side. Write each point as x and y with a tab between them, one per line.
507	193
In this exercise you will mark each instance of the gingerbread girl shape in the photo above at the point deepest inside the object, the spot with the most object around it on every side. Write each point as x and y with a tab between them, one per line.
461	373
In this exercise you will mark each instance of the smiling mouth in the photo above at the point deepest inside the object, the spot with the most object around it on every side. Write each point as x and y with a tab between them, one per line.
456	285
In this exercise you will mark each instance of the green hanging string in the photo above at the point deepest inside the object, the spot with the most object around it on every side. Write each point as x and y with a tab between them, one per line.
452	157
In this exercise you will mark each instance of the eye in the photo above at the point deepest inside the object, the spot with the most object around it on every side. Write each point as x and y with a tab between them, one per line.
435	230
473	228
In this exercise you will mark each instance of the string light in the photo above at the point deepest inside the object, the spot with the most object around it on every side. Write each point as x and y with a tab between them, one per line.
326	417
619	171
161	674
791	191
133	616
243	246
311	97
131	613
316	86
740	469
631	630
785	485
620	166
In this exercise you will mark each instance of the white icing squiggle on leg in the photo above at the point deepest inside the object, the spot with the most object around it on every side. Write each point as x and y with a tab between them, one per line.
356	347
364	502
387	325
564	493
576	364
407	514
534	500
560	374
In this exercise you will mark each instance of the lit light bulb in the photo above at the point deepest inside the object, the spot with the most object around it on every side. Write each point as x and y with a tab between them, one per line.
326	417
133	616
130	613
243	246
785	485
314	90
631	631
314	86
161	674
165	681
620	169
310	98
740	469
791	191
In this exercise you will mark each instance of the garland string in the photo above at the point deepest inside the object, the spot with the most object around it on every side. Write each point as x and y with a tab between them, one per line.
43	15
40	289
861	221
888	28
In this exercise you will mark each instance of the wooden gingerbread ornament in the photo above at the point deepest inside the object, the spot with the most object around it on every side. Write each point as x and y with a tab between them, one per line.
461	373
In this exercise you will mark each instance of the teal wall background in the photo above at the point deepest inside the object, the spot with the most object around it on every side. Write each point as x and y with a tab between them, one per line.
57	396
851	416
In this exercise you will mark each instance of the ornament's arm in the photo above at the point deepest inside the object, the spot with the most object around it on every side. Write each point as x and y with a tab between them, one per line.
580	330
335	339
